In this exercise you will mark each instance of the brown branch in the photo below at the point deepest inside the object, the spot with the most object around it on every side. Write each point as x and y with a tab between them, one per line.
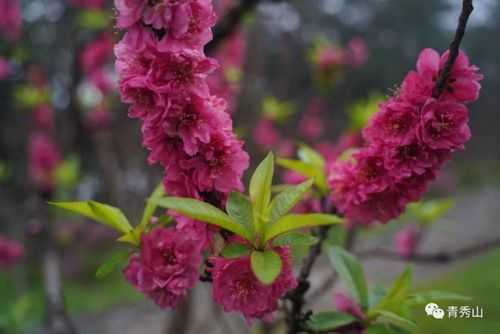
436	258
454	48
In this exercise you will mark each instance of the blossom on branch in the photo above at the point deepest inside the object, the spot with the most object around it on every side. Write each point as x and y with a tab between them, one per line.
407	141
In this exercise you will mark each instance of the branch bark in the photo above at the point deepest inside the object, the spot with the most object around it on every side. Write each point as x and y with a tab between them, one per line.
454	48
436	258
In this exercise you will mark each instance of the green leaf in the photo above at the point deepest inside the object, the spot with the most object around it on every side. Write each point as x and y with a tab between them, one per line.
429	211
93	19
239	208
295	239
351	274
296	221
308	170
203	212
381	329
235	250
398	292
396	320
310	156
110	265
435	295
260	190
286	200
266	265
329	320
101	213
150	208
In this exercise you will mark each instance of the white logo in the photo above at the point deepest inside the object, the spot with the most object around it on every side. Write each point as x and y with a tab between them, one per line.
433	310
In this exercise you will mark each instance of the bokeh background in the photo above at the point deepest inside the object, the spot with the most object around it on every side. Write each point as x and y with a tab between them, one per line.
104	159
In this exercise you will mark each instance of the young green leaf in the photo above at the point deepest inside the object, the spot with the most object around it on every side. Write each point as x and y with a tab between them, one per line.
150	208
296	221
112	215
396	320
435	296
398	292
111	264
329	321
295	239
101	213
310	156
351	274
308	170
266	265
239	208
286	200
203	212
260	189
235	250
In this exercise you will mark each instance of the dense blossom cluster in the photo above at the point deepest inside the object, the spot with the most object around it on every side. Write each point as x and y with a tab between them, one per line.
10	252
163	73
166	267
407	141
236	288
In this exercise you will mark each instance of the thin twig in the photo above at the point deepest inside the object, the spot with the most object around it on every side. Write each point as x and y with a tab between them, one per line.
454	48
436	258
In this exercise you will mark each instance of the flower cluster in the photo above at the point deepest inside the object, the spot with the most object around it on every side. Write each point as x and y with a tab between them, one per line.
163	73
330	60
10	19
236	288
407	141
166	267
10	252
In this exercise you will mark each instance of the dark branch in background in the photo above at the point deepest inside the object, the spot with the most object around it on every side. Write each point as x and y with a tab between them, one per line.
295	317
437	258
454	49
230	23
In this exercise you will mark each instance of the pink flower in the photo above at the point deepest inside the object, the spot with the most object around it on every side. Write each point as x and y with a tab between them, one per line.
444	125
394	123
193	119
236	288
190	26
357	52
4	68
10	252
462	84
97	53
311	126
166	267
330	56
345	304
43	159
10	19
406	241
182	71
265	134
44	117
129	12
219	164
413	134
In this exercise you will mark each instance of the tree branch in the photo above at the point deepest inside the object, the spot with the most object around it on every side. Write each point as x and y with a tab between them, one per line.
437	258
454	48
230	22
